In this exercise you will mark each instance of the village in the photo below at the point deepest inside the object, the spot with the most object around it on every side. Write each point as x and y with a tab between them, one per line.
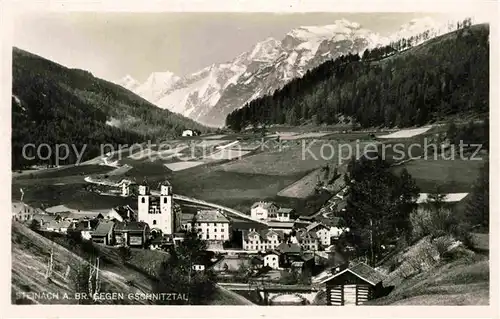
275	248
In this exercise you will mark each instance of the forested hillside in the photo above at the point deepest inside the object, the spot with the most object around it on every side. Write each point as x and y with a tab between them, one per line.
388	87
54	104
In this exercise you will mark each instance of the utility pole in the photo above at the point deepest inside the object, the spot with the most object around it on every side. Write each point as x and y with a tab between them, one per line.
371	242
50	263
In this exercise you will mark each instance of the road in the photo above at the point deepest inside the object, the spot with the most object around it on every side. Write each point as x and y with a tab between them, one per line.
216	206
89	179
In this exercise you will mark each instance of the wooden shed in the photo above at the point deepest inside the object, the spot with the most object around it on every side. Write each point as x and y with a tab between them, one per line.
353	286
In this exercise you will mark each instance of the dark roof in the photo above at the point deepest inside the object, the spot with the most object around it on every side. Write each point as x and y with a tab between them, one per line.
83	225
124	211
331	222
285	210
46	218
308	218
277	224
103	228
246	225
363	271
288	248
303	234
301	224
187	217
265	205
367	272
307	257
314	226
130	226
211	216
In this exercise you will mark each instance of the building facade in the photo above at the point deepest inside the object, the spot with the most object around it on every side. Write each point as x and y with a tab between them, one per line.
262	240
212	225
157	212
262	210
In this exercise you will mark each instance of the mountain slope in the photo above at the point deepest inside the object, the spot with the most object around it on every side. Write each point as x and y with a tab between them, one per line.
440	77
30	255
211	93
54	104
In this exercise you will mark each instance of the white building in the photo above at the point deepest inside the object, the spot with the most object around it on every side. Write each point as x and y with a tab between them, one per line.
212	225
271	259
270	211
157	212
262	210
262	240
323	233
188	133
307	240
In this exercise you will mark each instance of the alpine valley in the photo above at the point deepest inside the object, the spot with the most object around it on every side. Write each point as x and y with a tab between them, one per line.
210	94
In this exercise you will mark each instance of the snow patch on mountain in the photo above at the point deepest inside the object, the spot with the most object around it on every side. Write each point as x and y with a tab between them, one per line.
156	83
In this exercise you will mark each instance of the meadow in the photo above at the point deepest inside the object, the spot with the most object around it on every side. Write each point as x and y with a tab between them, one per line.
452	176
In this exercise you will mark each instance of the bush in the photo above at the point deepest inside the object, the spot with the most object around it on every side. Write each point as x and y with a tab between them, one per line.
125	253
435	222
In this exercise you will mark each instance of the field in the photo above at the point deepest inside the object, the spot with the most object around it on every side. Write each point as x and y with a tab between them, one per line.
179	166
69	171
451	176
302	188
294	157
406	133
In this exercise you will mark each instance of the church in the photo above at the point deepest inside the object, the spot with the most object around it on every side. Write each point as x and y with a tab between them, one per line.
161	213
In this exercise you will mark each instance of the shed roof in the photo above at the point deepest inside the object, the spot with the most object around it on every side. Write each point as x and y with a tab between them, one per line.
362	271
289	248
285	210
276	224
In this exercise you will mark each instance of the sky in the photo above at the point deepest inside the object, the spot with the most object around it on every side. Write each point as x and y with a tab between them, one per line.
112	45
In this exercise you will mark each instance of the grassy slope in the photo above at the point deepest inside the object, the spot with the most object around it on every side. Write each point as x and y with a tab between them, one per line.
30	253
462	282
116	101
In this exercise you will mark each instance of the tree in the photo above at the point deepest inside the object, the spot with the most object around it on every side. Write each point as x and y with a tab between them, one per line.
125	253
478	206
176	274
34	225
378	207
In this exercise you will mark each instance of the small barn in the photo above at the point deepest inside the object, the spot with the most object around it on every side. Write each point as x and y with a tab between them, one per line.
353	286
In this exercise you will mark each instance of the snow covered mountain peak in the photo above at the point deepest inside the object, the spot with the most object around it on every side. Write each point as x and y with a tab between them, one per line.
209	94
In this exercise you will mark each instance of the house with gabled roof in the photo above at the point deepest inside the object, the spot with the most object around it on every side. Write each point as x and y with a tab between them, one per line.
134	234
271	259
103	234
22	212
308	240
121	213
58	226
353	286
262	210
212	225
322	232
262	240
